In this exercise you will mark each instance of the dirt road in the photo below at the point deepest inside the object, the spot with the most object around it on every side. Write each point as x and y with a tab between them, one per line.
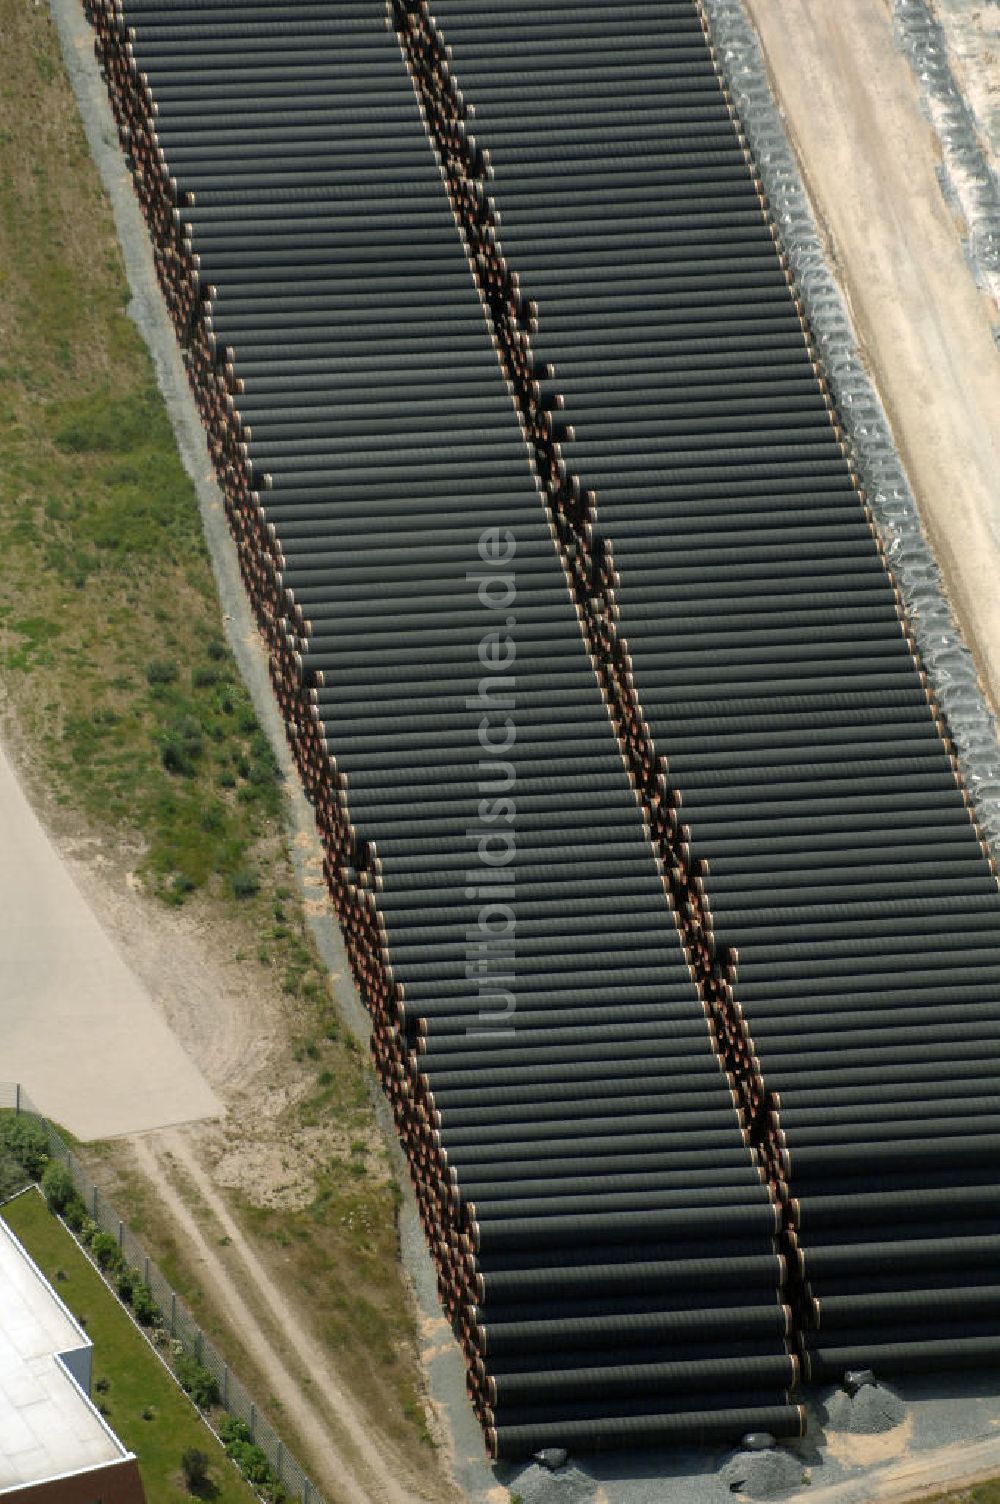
868	157
357	1467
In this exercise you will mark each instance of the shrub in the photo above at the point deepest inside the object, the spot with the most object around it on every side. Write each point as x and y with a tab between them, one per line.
57	1186
232	1429
198	1382
106	1252
144	1306
75	1213
125	1282
12	1177
251	1459
182	746
161	671
194	1465
213	817
264	770
26	1142
245	883
180	886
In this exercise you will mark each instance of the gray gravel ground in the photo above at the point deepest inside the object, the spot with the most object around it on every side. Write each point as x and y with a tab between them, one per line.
938	1413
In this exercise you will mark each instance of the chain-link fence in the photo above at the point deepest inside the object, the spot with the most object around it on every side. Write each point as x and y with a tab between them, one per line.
176	1319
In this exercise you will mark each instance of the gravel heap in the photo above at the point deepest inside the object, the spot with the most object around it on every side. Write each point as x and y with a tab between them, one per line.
872	1410
763	1475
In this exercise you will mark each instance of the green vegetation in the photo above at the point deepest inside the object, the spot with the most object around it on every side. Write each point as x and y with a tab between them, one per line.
57	1186
23	1153
194	1466
110	635
250	1459
197	1382
137	1396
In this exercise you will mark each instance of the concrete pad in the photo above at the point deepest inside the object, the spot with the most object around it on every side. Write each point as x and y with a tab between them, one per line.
77	1028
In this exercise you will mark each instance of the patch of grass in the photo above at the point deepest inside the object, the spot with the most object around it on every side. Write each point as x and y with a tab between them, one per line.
110	630
142	1403
111	640
340	1251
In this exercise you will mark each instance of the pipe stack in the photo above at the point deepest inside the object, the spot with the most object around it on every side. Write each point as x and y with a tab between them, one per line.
500	839
585	552
834	871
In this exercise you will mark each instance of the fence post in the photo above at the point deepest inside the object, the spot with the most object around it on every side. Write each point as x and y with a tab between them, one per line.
199	1342
145	1269
94	1204
121	1235
278	1455
253	1418
17	1096
225	1386
306	1490
173	1313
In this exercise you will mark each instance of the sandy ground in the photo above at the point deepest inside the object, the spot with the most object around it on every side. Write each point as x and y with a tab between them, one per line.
908	1477
868	157
77	1026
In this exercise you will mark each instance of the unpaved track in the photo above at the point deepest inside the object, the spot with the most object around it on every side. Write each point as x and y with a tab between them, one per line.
868	157
914	1477
358	1468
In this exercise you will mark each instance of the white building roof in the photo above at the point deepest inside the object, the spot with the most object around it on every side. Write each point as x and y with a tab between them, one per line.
48	1425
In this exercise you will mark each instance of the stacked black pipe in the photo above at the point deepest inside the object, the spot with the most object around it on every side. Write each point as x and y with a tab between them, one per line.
832	872
604	1236
586	554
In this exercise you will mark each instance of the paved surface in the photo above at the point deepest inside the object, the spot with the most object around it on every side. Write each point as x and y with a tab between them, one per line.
76	1026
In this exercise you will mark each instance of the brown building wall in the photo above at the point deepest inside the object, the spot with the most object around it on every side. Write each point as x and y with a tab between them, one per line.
112	1483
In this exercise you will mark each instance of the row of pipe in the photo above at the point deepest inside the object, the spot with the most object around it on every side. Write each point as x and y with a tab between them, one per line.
842	900
604	1232
587	554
